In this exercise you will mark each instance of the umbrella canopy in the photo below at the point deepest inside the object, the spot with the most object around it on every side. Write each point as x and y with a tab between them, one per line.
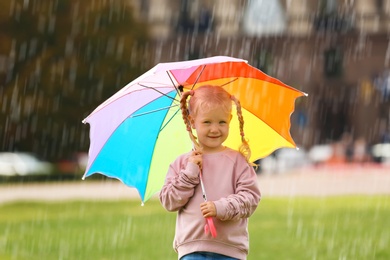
139	131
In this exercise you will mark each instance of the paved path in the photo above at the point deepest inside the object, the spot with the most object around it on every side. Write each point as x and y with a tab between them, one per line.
328	181
309	181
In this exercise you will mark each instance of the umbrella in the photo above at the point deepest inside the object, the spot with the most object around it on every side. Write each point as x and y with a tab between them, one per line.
138	131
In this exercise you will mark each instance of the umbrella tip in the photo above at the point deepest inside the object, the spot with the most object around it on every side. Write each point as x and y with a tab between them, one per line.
180	88
305	94
142	204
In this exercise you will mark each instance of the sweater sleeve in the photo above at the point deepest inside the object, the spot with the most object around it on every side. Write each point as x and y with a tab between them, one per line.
244	201
179	185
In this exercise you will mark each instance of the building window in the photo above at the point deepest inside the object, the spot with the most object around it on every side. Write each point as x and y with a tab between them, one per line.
329	18
333	62
194	17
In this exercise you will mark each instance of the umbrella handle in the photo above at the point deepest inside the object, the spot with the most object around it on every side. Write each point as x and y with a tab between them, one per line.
209	227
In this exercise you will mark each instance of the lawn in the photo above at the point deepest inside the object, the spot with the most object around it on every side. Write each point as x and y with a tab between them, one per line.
344	227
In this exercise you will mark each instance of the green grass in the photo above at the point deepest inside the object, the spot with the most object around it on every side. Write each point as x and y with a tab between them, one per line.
282	228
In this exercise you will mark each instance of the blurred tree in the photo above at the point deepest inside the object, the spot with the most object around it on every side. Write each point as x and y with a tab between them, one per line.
59	59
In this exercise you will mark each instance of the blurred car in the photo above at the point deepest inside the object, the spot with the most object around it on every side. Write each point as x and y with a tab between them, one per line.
76	164
82	161
22	164
282	160
320	153
381	153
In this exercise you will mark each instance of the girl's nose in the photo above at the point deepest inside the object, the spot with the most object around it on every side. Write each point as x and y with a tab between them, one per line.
214	128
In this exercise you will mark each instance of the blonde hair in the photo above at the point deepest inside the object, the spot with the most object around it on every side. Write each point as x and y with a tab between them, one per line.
207	98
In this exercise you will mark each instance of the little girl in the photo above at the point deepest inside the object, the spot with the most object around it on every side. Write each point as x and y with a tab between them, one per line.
228	178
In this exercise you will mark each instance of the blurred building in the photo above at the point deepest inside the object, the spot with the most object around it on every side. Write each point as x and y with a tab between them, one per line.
336	51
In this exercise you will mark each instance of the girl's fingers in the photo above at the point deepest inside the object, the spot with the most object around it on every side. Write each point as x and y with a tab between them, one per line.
208	209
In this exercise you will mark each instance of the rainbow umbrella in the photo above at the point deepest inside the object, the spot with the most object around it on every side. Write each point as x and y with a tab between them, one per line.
139	131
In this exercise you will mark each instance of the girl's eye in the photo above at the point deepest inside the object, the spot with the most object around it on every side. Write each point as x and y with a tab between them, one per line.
222	122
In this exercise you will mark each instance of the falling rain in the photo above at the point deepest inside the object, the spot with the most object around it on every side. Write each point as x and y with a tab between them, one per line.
60	59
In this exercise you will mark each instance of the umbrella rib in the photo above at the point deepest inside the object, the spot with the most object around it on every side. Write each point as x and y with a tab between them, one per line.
229	82
169	119
200	73
153	111
157	91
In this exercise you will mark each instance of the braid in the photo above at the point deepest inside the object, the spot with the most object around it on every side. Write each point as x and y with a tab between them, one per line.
244	147
184	110
186	119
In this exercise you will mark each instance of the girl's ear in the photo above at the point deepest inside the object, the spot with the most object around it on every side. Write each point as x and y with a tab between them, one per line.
192	121
230	118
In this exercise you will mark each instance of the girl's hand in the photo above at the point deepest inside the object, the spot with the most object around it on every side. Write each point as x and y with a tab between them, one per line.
208	209
196	157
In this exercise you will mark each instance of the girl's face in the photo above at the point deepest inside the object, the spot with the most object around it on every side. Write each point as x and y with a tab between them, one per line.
212	129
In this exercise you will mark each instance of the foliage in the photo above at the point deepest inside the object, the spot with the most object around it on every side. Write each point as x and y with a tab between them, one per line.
63	59
281	228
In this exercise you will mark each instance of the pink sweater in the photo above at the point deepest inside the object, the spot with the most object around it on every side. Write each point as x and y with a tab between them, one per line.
231	183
